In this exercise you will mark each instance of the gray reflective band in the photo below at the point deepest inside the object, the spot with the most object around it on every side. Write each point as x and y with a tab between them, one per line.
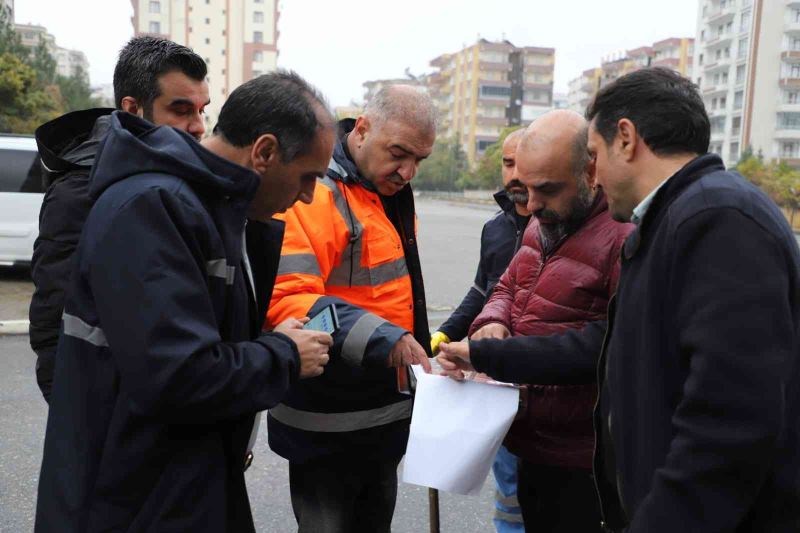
299	264
508	517
75	327
508	501
350	273
341	422
483	292
219	268
355	344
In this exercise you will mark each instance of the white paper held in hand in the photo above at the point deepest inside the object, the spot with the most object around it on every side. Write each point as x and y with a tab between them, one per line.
456	430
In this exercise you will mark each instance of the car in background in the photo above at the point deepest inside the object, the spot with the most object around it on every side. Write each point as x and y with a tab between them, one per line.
21	194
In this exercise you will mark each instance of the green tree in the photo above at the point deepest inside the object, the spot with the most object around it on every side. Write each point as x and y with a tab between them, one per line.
443	169
26	105
10	42
75	91
487	173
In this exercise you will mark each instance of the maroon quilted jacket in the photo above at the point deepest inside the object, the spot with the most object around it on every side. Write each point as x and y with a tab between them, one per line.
542	295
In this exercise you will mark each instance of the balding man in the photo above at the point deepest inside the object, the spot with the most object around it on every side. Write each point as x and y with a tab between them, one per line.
500	240
354	247
562	278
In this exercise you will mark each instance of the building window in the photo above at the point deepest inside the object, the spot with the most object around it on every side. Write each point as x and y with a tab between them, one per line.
736	125
738	99
789	121
790	149
483	145
208	41
795	71
222	51
258	56
258	1
155	27
208	21
717	124
256	73
258	36
155	7
790	97
744	24
258	17
208	60
742	51
700	59
740	71
495	92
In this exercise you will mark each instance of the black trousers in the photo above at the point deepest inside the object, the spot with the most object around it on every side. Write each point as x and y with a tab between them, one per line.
344	495
558	500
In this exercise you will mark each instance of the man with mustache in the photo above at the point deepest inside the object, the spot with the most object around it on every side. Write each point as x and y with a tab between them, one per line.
562	278
500	240
355	248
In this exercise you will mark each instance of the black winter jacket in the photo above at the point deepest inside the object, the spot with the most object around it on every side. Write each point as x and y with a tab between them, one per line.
67	147
500	240
161	366
698	424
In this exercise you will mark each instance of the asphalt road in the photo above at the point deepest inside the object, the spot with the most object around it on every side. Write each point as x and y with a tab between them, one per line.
449	236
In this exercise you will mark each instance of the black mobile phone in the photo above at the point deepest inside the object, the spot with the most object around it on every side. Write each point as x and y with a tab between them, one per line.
326	320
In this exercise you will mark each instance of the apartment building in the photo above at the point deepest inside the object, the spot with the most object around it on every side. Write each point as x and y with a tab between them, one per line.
487	87
675	53
68	62
238	40
750	78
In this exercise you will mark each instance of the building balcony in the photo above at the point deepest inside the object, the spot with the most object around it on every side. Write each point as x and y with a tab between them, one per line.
791	56
490	65
721	16
793	3
491	121
722	63
669	62
709	90
785	107
718	135
539	69
719	40
790	82
783	133
792	26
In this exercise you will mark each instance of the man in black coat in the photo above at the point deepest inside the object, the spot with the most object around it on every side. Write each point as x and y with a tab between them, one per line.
698	423
162	364
154	78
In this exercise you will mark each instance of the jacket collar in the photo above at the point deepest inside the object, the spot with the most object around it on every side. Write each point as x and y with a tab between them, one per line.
342	167
672	188
504	201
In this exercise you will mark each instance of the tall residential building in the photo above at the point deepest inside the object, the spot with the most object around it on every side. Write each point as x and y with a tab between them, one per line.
674	53
750	77
486	87
238	40
373	86
68	62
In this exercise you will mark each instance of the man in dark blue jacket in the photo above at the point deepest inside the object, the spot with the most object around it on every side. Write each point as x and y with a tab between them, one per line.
161	364
698	423
500	240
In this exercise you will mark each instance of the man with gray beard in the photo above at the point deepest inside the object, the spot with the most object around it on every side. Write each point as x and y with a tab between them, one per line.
561	278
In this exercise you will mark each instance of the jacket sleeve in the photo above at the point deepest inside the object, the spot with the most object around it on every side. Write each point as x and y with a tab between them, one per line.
63	213
737	336
314	241
562	359
154	306
457	326
498	308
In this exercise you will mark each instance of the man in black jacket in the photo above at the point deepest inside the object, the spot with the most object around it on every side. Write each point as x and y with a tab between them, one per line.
698	423
154	78
161	364
500	239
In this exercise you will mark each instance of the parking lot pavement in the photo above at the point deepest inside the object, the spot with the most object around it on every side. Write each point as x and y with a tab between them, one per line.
16	289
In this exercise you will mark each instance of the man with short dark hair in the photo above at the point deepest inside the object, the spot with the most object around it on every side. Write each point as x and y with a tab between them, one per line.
162	364
697	425
355	248
154	78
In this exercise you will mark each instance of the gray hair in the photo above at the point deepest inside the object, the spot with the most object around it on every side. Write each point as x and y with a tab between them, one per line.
580	156
403	103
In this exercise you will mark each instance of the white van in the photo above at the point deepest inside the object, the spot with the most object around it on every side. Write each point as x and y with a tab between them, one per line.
21	194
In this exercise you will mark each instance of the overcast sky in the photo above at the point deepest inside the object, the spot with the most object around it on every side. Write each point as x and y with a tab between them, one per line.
339	44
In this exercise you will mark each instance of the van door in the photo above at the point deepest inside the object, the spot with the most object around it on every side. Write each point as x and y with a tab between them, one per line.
21	194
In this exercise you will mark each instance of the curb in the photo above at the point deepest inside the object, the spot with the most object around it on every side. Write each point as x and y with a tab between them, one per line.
14	327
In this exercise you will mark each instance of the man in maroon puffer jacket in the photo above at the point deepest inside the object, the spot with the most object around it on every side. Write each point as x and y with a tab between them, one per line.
561	278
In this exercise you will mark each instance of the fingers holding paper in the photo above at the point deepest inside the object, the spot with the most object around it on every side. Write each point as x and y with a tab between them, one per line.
454	359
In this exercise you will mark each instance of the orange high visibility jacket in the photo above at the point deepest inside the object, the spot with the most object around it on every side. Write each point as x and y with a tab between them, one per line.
357	250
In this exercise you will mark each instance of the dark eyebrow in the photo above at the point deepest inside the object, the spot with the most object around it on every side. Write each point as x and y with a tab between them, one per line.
185	101
403	148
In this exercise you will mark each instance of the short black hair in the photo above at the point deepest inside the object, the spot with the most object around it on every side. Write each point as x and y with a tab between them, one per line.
665	107
145	59
281	103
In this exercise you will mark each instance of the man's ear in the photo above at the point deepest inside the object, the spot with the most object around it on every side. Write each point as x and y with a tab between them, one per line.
591	172
628	137
130	105
265	153
361	129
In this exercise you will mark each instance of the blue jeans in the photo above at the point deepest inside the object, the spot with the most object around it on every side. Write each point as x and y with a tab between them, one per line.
507	514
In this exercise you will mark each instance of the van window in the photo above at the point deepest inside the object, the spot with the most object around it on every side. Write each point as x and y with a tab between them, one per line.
20	171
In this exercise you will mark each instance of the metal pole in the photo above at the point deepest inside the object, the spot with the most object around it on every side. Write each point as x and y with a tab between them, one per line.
433	508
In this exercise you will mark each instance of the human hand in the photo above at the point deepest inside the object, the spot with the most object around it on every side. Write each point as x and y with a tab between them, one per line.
313	348
407	351
454	359
291	323
493	330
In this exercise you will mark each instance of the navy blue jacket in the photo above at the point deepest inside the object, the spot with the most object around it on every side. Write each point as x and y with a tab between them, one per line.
500	240
698	424
160	366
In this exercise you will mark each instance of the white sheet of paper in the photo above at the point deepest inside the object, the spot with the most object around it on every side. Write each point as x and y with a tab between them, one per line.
456	430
